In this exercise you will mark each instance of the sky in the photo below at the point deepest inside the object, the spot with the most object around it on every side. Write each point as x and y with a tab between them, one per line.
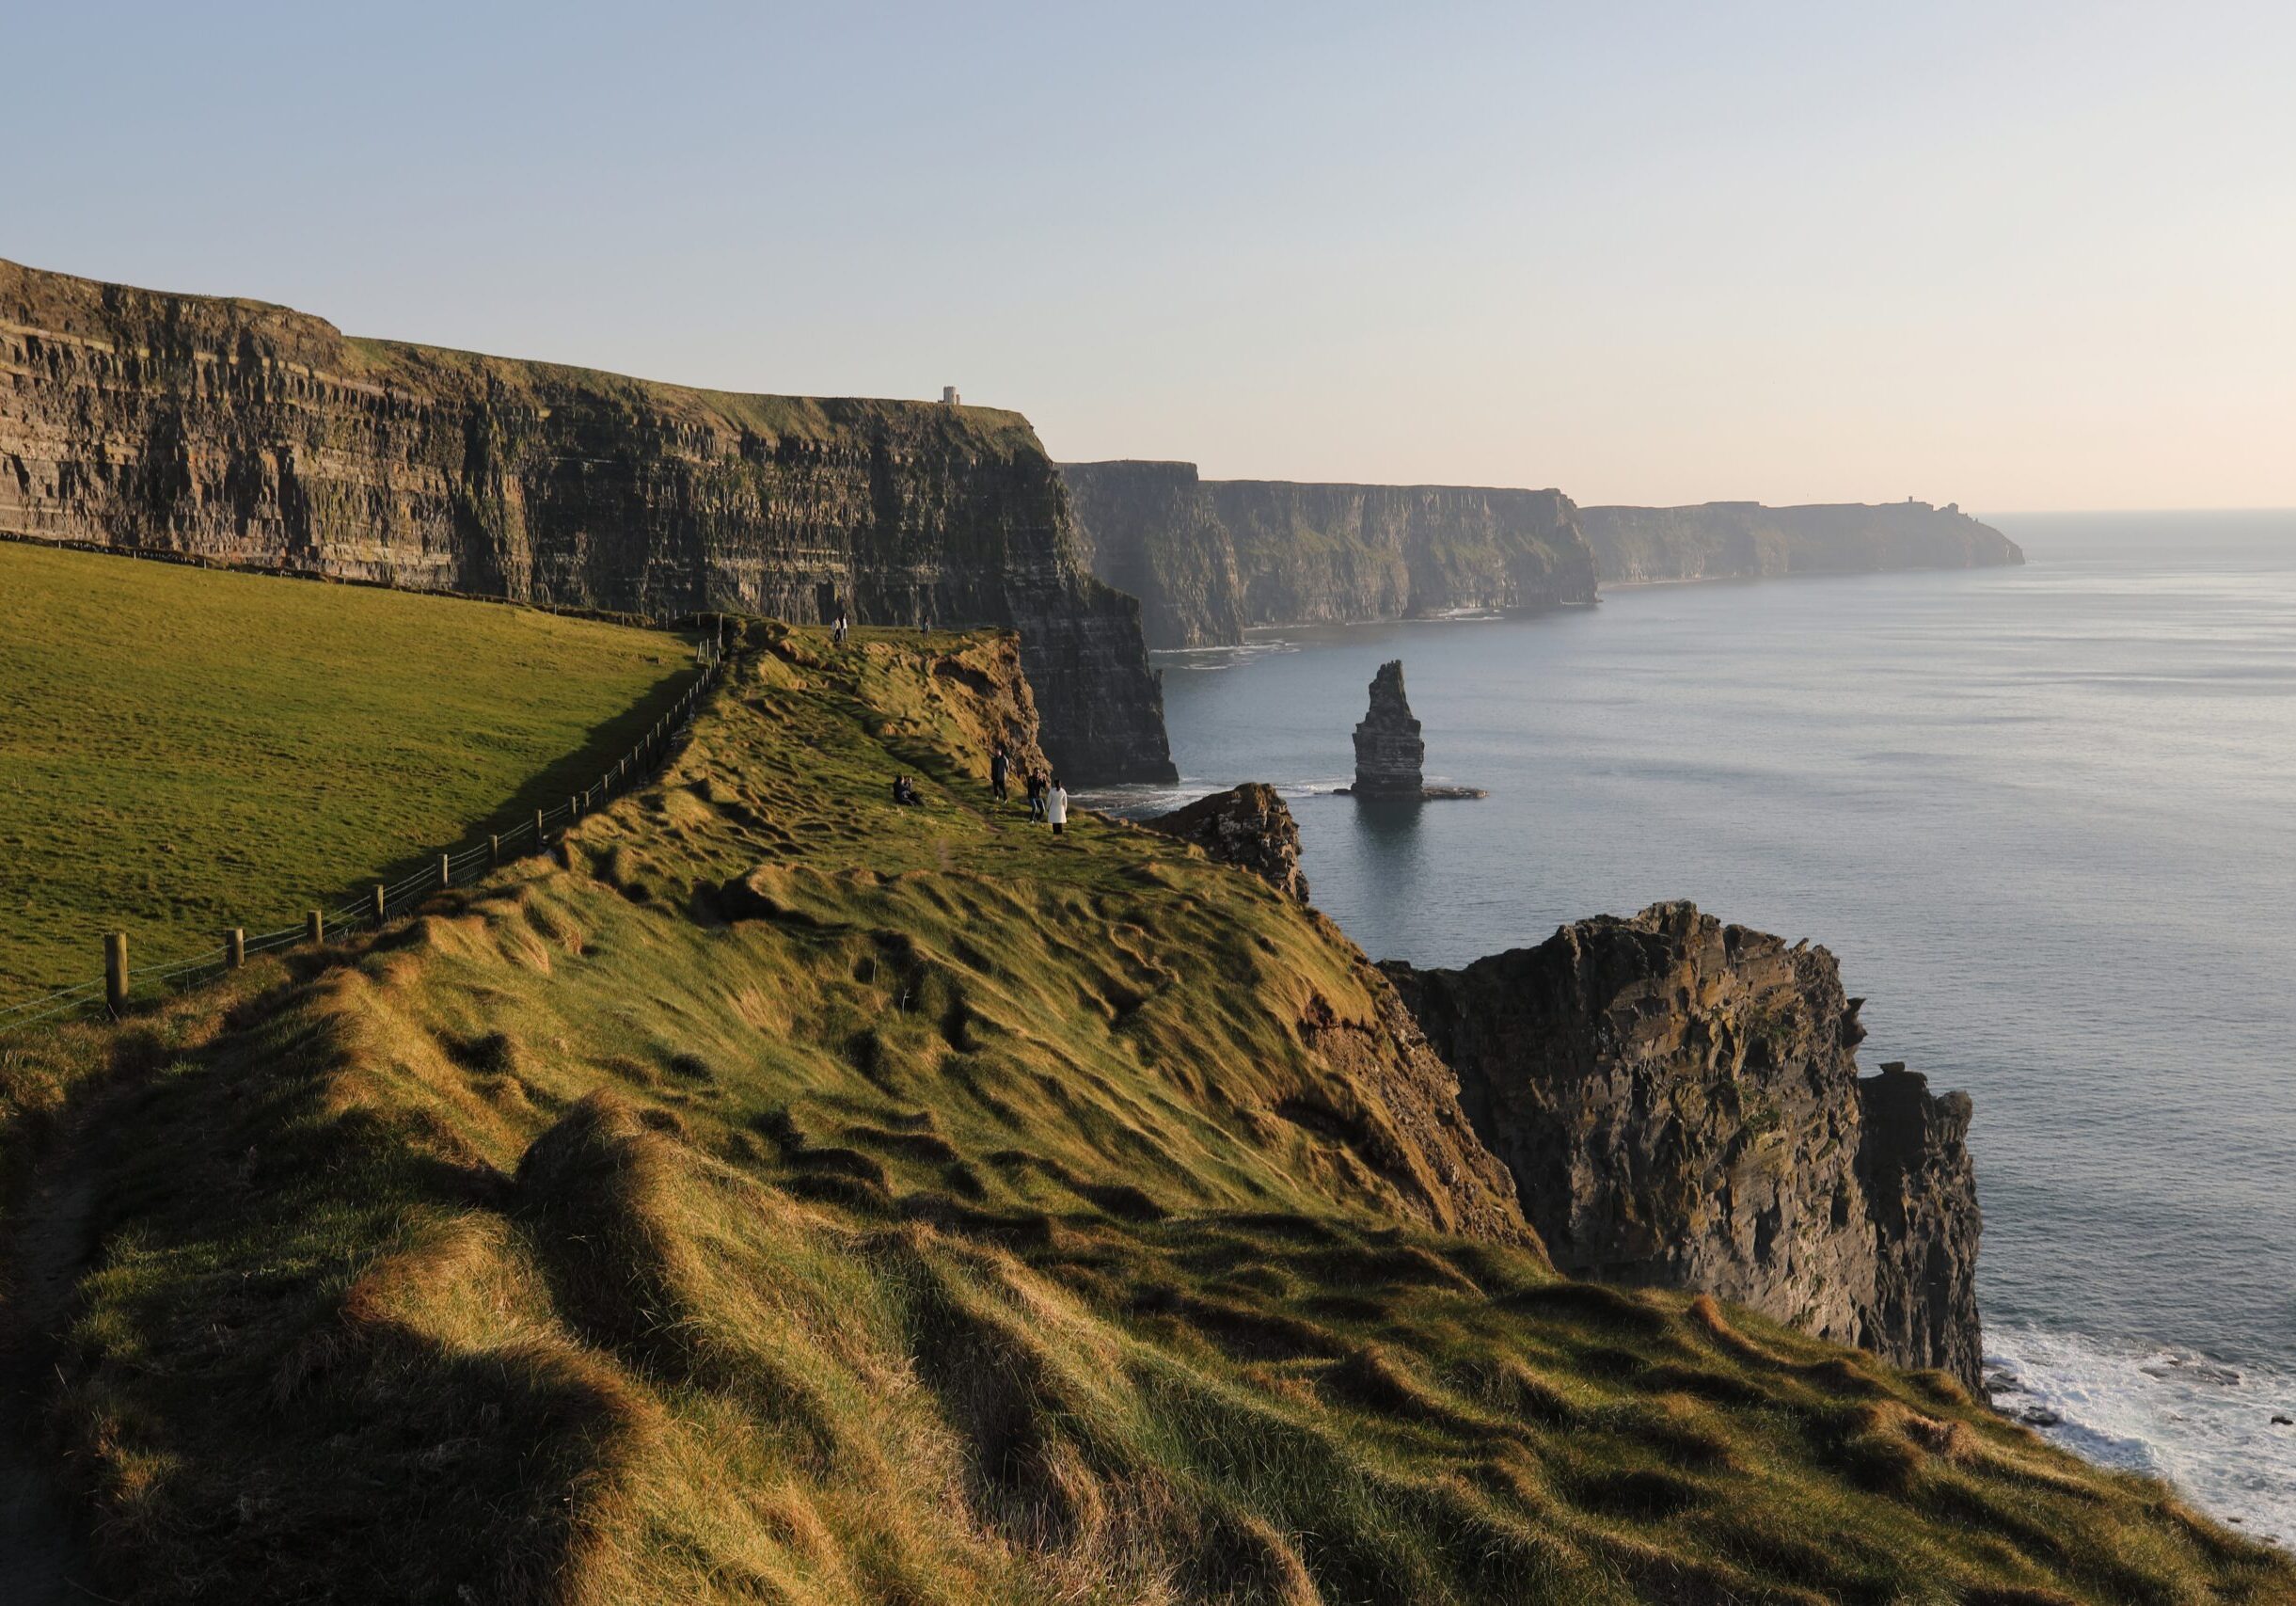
2017	256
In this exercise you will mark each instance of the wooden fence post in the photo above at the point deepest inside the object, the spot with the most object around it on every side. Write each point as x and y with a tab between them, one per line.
446	870
234	948
314	928
538	837
116	971
493	850
379	903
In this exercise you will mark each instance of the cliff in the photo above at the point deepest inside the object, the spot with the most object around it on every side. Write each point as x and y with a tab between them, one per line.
247	434
1679	1103
1744	540
775	1193
1211	558
1150	530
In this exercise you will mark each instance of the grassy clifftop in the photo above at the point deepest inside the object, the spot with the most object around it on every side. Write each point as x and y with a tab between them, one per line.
184	751
788	1196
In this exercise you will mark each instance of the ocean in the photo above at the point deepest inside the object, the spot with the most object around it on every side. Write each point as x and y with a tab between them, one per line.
2043	817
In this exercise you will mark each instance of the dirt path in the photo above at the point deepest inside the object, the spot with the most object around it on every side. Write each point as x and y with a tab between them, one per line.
40	1560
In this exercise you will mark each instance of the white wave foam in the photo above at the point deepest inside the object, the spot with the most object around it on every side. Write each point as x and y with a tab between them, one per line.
2204	1426
1222	656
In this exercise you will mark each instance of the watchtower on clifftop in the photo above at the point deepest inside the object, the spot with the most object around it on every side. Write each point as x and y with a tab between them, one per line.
948	395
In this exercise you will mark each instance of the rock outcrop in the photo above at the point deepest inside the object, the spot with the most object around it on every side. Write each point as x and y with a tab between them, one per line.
1210	559
1744	540
236	431
1679	1103
1246	825
1391	754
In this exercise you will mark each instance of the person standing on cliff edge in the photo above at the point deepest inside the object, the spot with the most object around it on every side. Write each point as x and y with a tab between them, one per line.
1056	806
1000	772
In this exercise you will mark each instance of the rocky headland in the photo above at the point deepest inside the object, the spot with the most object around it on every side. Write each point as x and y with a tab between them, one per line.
1744	540
1210	559
236	431
1679	1103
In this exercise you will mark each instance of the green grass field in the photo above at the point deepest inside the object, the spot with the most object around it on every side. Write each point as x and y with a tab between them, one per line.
184	750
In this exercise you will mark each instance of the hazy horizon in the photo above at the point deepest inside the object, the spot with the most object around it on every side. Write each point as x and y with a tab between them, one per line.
1657	256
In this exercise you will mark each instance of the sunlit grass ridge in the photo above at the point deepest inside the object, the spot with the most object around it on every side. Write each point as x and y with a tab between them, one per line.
793	1197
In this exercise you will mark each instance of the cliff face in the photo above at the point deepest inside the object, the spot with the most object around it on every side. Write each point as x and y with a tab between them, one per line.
1211	557
251	433
1744	540
1150	530
1679	1103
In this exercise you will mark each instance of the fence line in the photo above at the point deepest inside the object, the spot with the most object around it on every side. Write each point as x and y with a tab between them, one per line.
108	993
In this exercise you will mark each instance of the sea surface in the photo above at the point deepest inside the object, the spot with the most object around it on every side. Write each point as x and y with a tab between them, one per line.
2045	817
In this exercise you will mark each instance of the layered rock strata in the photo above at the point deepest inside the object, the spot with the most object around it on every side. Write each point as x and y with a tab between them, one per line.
1210	559
1744	540
1679	1103
241	433
1246	825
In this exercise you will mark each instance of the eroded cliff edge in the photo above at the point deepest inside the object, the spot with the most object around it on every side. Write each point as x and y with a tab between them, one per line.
1679	1103
1744	540
245	433
1210	559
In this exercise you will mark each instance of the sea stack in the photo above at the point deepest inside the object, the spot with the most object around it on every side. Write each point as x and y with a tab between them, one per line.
1389	752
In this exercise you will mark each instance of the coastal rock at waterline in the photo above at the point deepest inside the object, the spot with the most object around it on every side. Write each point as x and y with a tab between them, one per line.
1246	825
1679	1103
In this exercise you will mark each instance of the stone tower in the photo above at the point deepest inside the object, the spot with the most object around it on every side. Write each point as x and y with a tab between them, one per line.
1389	752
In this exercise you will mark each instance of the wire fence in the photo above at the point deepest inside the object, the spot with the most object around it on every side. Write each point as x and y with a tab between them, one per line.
109	993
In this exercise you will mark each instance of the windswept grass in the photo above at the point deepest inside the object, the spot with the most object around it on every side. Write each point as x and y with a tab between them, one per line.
790	1197
183	750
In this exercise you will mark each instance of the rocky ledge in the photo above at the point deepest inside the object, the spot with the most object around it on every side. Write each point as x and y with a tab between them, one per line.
1246	825
1679	1103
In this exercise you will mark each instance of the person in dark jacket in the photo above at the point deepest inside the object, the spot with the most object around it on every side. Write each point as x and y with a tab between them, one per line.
1000	772
1036	796
905	792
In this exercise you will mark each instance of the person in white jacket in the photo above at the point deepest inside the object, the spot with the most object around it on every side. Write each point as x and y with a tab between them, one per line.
1056	806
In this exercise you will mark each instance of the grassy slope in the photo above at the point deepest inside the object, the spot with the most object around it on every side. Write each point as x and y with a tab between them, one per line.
940	1230
187	750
